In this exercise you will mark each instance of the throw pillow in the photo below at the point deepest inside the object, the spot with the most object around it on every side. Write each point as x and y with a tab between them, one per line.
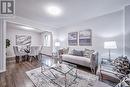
65	50
70	52
77	53
122	65
87	53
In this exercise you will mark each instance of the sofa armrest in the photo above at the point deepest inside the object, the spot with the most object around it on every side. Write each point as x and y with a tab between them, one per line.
94	60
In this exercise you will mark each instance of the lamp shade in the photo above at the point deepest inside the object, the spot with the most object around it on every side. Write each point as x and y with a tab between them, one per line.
57	44
110	45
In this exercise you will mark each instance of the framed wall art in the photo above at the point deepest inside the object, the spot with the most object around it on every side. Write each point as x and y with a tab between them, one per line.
23	40
73	38
85	38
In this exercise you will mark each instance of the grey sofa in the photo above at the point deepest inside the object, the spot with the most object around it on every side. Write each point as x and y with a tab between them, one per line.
91	62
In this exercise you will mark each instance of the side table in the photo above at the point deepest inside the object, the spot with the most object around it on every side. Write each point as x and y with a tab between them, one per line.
107	68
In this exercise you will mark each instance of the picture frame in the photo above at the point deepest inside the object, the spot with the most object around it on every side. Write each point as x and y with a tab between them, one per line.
85	37
73	38
23	40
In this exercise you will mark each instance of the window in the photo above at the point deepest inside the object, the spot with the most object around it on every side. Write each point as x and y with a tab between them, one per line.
47	40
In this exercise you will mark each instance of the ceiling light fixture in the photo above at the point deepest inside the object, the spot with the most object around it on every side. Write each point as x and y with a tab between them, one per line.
53	10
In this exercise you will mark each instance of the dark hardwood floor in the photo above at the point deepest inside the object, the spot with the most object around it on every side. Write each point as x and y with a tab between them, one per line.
15	75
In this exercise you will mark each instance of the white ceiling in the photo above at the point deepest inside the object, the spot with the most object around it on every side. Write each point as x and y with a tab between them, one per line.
74	11
22	27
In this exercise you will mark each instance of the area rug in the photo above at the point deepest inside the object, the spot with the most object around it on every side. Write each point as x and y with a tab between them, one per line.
84	79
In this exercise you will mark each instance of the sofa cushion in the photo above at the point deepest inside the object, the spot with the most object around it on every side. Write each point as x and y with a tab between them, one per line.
87	53
65	50
77	53
70	52
76	59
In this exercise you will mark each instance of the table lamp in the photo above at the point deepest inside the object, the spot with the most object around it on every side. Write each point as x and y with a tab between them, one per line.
57	44
110	45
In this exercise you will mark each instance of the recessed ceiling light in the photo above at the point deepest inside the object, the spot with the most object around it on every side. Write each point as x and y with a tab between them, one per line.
53	10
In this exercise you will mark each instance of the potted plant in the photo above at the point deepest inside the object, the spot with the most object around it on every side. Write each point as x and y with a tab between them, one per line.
7	43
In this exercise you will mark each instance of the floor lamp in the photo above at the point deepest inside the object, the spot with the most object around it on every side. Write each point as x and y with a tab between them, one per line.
110	45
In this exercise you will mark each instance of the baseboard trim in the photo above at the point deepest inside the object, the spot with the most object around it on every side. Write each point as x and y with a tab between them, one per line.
1	71
10	56
10	59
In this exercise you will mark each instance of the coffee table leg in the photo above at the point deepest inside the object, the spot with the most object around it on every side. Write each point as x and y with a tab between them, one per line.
65	81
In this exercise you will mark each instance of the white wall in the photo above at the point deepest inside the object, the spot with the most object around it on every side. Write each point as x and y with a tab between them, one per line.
127	31
104	28
1	55
11	33
2	46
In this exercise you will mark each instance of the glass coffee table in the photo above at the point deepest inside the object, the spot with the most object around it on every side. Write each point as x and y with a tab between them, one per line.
62	74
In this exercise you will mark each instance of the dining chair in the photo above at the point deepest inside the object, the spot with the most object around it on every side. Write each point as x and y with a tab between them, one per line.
34	51
18	55
40	49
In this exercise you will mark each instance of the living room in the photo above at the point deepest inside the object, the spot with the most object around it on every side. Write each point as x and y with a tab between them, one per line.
83	37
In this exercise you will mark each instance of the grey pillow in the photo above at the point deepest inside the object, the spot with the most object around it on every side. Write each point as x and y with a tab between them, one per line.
87	53
77	53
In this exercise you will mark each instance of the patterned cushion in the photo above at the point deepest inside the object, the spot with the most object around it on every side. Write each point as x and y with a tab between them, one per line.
70	52
65	50
87	53
122	65
77	53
